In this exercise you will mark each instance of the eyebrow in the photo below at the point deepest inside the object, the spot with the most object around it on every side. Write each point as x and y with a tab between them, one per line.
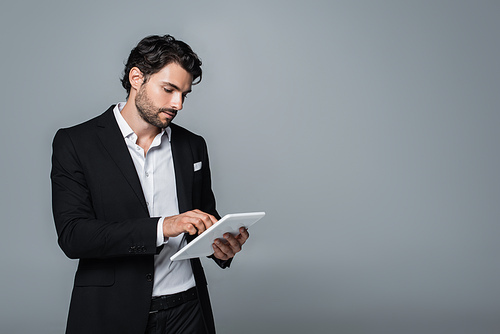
175	87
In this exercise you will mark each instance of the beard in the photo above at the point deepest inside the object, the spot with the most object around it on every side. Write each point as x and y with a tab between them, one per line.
149	112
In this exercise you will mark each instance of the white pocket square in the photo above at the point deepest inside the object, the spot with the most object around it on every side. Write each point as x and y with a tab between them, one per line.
197	166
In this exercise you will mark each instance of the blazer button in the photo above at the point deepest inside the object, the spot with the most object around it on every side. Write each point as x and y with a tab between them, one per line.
131	249
149	277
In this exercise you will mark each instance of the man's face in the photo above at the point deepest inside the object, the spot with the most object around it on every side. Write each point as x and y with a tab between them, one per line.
162	95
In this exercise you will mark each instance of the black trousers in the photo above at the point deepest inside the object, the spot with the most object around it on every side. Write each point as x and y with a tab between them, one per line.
184	318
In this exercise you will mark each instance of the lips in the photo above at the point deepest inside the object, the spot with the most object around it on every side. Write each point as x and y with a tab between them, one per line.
170	113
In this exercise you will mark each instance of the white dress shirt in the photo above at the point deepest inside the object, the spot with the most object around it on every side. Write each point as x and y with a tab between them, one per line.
155	169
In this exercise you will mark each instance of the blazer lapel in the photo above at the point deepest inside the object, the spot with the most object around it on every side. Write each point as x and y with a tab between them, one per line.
183	167
111	137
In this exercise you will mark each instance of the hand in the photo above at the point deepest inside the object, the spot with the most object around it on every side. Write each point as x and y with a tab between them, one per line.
192	222
226	248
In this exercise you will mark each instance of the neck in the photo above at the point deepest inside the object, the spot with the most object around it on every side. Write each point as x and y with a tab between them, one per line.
145	132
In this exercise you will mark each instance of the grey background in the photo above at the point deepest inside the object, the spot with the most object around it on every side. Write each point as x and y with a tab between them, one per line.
367	130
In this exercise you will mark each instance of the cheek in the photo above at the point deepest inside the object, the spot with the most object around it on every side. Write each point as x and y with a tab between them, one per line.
160	100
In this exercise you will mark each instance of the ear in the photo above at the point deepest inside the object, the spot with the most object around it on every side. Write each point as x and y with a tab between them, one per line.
136	78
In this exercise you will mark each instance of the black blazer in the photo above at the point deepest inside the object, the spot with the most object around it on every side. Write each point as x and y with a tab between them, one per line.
102	219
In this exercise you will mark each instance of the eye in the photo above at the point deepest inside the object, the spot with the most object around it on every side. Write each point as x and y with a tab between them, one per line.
168	90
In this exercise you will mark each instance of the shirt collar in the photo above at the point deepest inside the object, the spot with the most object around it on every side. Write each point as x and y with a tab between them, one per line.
125	129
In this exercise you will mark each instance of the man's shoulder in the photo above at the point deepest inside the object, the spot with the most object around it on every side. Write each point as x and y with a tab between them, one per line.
85	133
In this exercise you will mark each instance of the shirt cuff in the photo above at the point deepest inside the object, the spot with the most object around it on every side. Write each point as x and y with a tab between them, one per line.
160	239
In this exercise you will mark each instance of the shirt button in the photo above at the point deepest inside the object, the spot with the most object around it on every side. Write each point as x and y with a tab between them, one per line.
147	174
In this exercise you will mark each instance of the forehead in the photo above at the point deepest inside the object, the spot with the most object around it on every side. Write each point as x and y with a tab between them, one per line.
174	74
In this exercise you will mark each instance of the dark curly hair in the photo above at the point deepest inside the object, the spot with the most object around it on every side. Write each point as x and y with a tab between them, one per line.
155	52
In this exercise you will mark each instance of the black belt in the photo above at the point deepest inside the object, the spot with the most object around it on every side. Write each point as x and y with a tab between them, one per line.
168	301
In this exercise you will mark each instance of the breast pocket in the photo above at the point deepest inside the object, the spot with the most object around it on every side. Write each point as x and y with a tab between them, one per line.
197	168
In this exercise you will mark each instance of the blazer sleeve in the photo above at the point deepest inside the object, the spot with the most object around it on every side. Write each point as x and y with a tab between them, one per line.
81	234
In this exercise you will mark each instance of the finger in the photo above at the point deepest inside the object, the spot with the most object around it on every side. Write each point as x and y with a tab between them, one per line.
235	242
244	235
204	221
192	222
219	253
225	247
199	224
232	242
190	228
203	214
213	220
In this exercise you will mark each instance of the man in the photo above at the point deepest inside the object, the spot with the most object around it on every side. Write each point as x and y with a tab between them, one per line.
129	189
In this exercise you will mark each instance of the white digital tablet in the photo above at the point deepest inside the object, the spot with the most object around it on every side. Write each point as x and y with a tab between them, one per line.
202	244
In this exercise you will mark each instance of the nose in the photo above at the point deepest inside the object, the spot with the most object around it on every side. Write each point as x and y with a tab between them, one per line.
177	101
